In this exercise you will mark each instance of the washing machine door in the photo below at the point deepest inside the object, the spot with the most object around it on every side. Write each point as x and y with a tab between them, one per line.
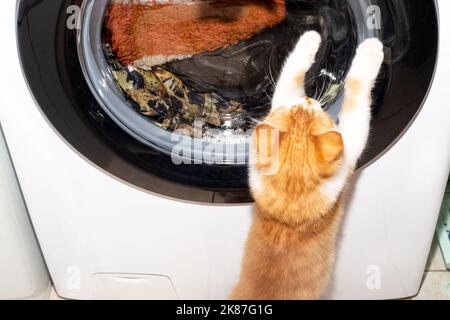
94	99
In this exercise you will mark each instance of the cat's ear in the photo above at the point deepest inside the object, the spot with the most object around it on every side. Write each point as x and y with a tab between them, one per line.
279	119
330	146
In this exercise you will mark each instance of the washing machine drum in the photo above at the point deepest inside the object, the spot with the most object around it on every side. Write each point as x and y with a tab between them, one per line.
164	94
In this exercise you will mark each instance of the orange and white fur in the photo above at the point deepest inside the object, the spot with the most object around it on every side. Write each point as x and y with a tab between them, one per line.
290	250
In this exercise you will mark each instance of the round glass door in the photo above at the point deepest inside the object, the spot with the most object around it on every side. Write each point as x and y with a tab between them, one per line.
195	76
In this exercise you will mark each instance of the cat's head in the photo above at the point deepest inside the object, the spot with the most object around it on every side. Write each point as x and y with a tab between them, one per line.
304	152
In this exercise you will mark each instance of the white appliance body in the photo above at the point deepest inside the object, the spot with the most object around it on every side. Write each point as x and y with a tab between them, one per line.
23	274
103	238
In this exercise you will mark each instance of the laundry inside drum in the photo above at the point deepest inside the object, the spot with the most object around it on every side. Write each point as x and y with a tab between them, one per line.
202	68
206	69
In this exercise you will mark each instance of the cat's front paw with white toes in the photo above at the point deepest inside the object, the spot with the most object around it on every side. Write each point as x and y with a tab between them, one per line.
309	42
368	60
291	82
306	49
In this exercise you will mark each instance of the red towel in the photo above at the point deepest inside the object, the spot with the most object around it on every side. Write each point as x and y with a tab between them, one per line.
152	32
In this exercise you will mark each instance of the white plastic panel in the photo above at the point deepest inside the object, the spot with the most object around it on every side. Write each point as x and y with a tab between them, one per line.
22	270
133	287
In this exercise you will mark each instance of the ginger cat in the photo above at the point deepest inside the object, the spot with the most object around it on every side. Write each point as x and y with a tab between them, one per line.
298	208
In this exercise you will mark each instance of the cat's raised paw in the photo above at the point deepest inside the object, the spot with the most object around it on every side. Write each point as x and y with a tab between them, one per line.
368	60
310	39
304	54
371	48
307	47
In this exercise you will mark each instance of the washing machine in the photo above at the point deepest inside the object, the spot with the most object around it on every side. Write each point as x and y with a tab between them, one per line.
119	214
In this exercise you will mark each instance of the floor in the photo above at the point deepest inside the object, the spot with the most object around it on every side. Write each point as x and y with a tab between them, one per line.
436	283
